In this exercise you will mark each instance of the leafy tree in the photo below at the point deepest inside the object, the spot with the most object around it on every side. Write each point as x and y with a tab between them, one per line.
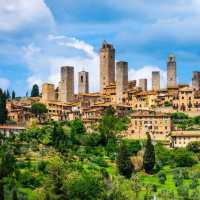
123	162
7	166
35	91
77	127
3	111
39	109
13	94
184	158
110	125
149	155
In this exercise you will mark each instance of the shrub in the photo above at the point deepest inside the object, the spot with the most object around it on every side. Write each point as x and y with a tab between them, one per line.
194	147
184	158
162	177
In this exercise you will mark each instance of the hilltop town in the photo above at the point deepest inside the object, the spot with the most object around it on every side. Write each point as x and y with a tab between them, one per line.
149	110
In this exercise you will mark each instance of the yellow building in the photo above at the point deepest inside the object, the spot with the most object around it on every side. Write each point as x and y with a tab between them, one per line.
158	125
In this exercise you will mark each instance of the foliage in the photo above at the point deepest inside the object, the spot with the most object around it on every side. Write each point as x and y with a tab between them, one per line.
194	147
162	177
149	156
184	158
35	91
167	104
123	161
3	111
39	109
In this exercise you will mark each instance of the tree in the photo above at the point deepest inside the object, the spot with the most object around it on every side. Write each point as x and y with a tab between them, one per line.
13	94
7	94
7	166
184	158
110	125
3	111
35	91
149	155
39	109
124	164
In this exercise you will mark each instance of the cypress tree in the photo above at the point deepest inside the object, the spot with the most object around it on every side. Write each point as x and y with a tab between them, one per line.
149	156
35	91
123	161
13	94
3	111
7	94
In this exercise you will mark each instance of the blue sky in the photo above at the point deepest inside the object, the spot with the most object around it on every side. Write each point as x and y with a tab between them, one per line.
37	37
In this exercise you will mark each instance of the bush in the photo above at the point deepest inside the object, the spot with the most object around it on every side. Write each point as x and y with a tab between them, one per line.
194	147
162	177
184	158
163	155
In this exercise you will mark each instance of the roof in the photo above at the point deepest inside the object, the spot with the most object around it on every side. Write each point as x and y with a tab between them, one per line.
11	127
194	133
149	113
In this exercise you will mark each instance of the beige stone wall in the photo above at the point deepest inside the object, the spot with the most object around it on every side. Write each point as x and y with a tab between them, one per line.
83	82
66	85
155	80
171	71
107	65
121	80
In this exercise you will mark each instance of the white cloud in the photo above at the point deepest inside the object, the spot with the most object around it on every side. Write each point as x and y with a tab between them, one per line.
46	68
16	14
146	72
4	83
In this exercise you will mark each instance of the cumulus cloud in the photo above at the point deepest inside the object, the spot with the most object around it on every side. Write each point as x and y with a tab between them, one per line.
46	68
16	14
146	72
4	83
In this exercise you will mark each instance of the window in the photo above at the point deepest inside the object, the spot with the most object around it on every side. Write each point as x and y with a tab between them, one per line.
81	78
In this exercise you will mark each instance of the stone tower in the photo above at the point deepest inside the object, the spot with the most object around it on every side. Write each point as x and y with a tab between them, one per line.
107	65
155	80
171	71
83	82
196	80
48	92
66	85
143	84
121	80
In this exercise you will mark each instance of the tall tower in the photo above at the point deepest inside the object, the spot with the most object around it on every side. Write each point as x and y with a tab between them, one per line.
107	65
48	92
196	80
143	84
83	82
155	80
121	80
171	71
66	85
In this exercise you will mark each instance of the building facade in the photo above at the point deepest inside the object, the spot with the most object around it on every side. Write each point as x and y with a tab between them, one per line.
171	71
121	80
66	85
155	80
107	65
143	84
196	80
83	82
